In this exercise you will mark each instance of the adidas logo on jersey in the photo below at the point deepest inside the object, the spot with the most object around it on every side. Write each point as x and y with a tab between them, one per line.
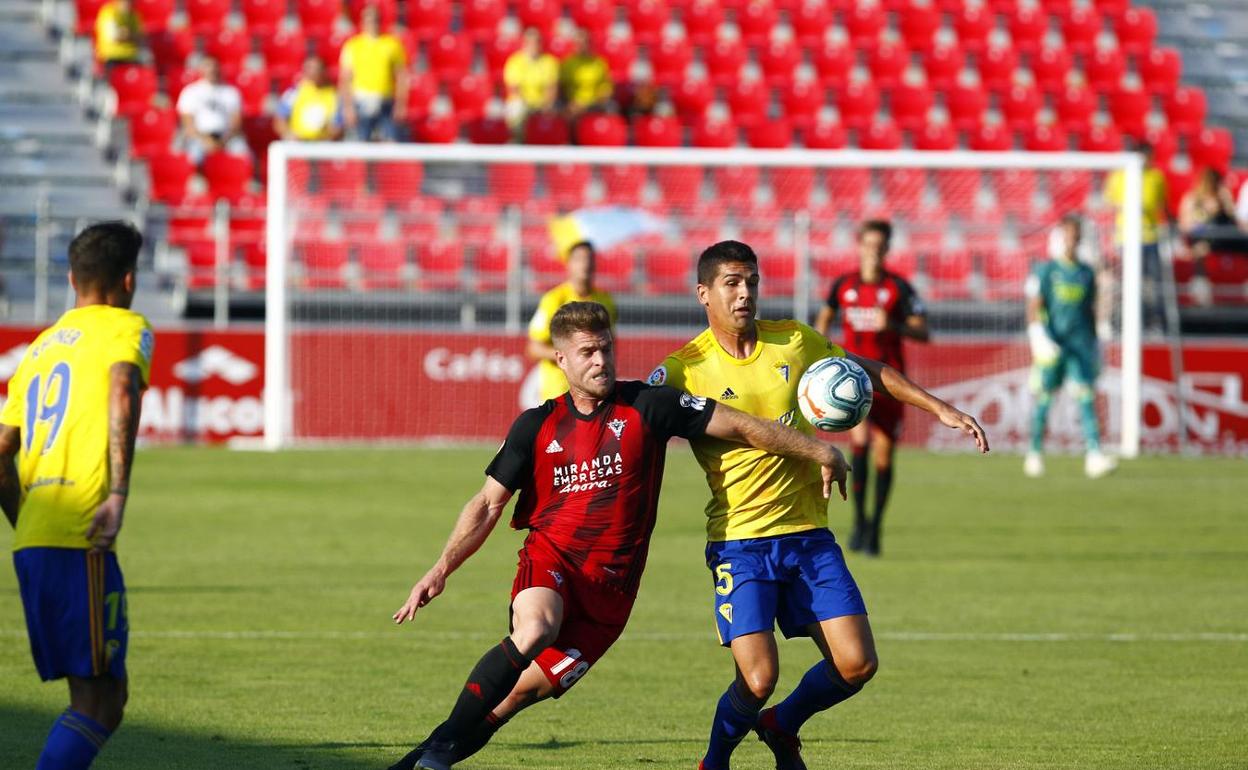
553	447
727	394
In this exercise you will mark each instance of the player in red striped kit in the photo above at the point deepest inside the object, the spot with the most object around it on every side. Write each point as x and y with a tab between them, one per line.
588	466
877	309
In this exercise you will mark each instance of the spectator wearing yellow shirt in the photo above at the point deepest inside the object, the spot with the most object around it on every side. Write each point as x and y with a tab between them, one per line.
585	78
118	33
372	81
532	79
309	110
1153	214
578	288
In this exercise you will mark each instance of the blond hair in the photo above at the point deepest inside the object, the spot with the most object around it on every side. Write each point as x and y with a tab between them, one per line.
579	317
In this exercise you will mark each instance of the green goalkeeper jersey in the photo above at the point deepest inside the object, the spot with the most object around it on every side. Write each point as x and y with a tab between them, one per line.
1067	291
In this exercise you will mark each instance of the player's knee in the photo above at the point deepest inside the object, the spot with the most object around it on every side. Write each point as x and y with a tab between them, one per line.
759	684
534	634
859	669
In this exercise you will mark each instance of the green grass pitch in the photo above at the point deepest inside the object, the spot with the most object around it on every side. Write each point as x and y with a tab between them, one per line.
1059	623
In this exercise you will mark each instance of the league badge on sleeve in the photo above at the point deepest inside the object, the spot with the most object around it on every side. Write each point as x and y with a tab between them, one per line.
658	376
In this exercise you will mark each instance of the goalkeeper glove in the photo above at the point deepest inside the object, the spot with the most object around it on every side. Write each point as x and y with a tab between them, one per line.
1044	350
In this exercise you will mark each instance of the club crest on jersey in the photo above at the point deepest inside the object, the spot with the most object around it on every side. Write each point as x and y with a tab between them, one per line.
728	393
725	609
851	295
617	426
552	448
557	576
692	402
658	376
882	294
783	370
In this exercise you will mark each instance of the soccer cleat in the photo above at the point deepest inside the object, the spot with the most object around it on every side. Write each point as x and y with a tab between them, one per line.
408	762
440	755
1098	464
786	748
1033	465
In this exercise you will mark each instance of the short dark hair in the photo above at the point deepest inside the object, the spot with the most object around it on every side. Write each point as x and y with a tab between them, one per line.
881	226
583	245
723	253
101	255
579	317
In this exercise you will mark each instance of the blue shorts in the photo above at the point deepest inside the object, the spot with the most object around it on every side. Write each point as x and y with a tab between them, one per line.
795	580
75	602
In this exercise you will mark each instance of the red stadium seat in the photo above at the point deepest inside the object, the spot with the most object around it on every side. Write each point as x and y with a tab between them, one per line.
888	62
383	265
949	272
691	96
511	183
566	183
668	269
170	47
935	136
152	132
810	21
284	52
756	20
990	137
317	17
1075	107
1112	9
1069	190
958	188
647	18
1163	142
881	134
1050	67
847	188
723	61
919	22
1101	139
942	65
481	18
833	61
973	24
910	104
1137	29
669	58
623	185
426	19
1129	108
486	130
1004	274
864	21
87	10
602	130
546	129
1045	138
802	99
701	20
1015	188
329	46
134	85
262	17
324	263
206	16
450	57
491	264
1028	25
253	87
656	131
342	180
1186	109
903	188
1080	28
155	14
619	53
714	132
546	267
1104	68
771	134
679	186
541	14
858	102
1160	70
497	50
1212	147
614	269
421	91
966	103
169	174
421	218
1019	106
1229	275
594	16
996	67
735	185
825	135
435	129
791	186
469	95
778	59
441	265
748	98
477	217
397	182
387	11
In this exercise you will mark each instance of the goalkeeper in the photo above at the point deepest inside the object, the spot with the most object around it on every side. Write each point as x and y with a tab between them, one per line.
1061	327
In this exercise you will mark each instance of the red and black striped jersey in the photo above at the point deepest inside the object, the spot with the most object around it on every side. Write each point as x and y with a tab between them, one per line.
589	483
857	302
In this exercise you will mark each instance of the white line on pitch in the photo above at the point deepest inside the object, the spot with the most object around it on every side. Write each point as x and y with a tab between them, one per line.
644	636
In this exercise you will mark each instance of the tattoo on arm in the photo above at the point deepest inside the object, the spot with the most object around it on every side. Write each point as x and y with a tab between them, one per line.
124	407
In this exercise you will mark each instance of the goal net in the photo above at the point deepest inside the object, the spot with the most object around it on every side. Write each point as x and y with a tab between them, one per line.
401	279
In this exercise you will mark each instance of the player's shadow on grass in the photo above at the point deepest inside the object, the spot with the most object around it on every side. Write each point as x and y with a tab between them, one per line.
138	746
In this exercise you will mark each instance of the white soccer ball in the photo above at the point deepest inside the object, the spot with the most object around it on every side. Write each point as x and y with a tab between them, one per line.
834	394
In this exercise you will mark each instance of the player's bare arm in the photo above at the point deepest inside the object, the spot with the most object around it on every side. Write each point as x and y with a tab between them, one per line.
824	320
734	425
900	387
540	351
476	522
125	392
10	487
915	327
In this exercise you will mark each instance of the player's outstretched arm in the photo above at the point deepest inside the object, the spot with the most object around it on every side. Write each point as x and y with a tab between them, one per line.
734	425
125	392
10	487
476	522
887	379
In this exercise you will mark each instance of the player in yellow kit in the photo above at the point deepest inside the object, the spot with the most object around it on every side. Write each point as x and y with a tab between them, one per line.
770	553
67	435
578	288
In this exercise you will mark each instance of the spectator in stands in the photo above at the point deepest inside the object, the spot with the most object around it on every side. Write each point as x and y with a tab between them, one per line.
578	288
585	79
118	33
211	113
309	110
531	77
1153	213
372	81
1206	205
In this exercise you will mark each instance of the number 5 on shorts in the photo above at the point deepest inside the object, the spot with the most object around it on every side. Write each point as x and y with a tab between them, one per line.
723	579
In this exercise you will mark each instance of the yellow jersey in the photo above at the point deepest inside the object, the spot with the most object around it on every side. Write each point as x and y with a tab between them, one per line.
553	383
373	61
754	493
58	398
536	79
586	80
108	25
1153	202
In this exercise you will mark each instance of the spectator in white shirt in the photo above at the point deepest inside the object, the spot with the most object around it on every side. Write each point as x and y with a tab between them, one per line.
211	113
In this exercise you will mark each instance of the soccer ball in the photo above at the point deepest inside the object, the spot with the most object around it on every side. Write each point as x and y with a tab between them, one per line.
834	394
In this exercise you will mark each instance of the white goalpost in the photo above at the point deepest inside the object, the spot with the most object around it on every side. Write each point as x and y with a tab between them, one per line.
400	277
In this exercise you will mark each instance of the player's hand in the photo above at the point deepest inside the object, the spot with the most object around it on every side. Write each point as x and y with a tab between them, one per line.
962	421
835	470
107	522
879	320
422	593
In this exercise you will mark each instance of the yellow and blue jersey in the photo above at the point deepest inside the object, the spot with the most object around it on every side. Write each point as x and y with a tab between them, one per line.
59	400
552	382
754	493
